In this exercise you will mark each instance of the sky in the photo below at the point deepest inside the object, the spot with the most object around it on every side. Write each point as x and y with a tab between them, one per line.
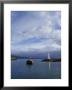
35	31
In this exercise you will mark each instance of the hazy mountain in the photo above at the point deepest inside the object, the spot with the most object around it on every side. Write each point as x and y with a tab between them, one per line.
56	54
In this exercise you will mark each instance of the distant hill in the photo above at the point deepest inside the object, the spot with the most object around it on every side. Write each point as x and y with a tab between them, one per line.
55	54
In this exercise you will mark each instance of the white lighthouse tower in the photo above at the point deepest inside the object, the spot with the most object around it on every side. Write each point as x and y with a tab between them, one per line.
49	61
48	56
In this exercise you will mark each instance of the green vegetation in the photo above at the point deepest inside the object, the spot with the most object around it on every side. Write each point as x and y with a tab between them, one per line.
13	58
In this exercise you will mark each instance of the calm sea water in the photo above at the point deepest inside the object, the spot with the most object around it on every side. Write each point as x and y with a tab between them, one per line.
39	70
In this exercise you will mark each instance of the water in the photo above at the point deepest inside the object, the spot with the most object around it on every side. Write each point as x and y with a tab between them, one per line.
39	70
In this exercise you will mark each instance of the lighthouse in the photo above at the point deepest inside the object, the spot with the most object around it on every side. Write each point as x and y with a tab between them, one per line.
48	56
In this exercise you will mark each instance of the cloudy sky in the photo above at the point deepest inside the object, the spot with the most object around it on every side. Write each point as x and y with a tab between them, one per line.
35	31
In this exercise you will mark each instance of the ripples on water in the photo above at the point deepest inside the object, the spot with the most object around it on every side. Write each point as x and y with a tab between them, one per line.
38	70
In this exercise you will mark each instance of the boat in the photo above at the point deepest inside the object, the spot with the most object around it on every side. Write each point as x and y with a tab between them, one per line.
30	62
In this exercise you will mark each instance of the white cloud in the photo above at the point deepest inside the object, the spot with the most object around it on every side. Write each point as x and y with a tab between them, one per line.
41	28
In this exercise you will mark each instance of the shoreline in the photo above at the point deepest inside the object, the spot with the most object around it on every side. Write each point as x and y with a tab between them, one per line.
42	60
51	60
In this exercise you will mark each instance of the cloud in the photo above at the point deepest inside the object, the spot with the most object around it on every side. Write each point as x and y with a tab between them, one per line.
36	31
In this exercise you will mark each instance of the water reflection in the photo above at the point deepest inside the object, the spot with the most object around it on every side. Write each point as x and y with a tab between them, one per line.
38	70
49	66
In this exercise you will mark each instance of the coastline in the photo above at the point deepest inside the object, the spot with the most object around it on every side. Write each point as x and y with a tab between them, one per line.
51	60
